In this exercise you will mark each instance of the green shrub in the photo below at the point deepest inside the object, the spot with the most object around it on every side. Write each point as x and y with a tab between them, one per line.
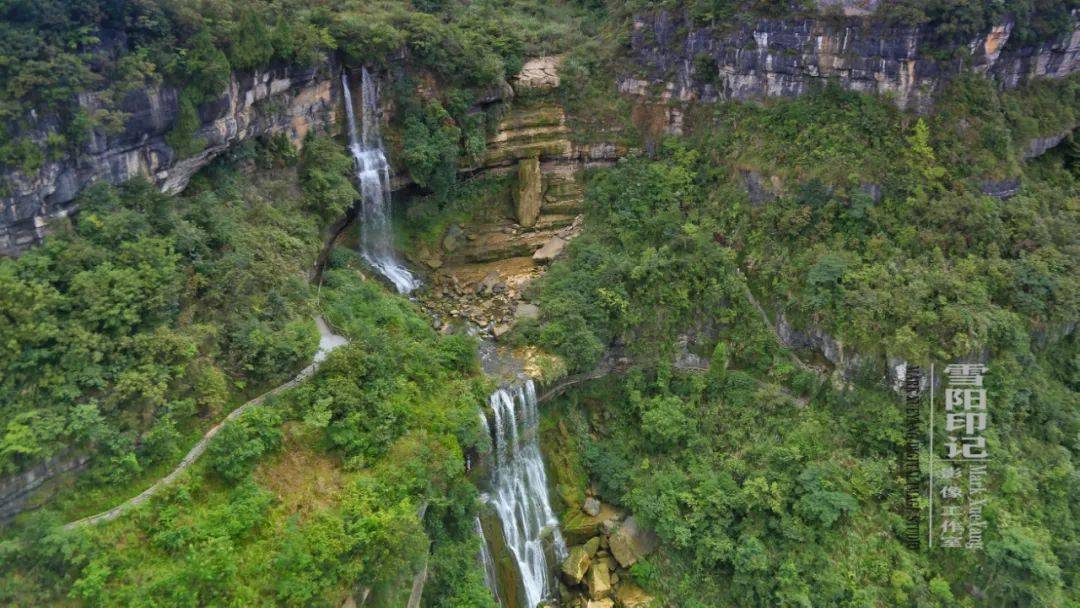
181	138
326	176
252	45
243	441
430	149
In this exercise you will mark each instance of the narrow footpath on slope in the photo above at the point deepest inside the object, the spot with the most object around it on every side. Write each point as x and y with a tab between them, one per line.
328	341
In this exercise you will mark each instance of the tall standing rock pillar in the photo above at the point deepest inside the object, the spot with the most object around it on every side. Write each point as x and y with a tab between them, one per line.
527	196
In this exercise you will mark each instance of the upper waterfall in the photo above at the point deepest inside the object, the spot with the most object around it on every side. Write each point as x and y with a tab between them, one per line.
373	175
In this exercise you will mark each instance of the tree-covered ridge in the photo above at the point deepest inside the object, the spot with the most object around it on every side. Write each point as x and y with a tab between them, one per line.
763	500
874	229
963	271
768	486
949	24
154	313
345	484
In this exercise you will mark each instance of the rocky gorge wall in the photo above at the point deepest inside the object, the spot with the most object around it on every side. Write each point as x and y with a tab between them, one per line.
788	57
282	99
480	270
672	60
25	490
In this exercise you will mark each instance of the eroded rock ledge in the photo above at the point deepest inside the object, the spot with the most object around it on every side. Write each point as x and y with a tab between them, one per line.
283	99
788	57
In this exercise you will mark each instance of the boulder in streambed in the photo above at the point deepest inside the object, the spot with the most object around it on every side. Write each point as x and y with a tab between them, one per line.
452	239
631	542
591	506
526	311
578	526
576	565
598	581
591	546
550	250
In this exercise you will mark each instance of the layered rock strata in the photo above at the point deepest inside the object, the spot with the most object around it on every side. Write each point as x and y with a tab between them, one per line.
788	57
283	99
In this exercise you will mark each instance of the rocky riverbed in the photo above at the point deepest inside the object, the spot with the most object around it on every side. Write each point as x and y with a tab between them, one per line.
494	295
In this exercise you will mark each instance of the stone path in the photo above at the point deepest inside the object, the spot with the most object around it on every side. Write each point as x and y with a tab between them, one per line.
328	341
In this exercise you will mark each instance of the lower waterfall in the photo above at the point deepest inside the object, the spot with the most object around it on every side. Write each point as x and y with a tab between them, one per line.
519	488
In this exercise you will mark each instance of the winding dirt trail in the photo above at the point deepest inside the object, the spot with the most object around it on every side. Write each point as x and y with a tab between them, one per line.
328	341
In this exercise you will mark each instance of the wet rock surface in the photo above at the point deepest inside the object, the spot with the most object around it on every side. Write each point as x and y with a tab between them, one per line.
491	291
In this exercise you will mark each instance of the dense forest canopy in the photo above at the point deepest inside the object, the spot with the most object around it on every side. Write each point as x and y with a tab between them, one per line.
947	21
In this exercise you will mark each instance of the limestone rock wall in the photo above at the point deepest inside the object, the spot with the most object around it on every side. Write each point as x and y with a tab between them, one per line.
17	492
283	99
778	57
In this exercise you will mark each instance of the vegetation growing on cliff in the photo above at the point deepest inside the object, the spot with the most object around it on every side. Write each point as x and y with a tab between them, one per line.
365	477
947	25
153	314
960	271
771	482
761	500
52	51
768	486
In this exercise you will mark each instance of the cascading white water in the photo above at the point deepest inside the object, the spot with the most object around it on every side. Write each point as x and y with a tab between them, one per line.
487	562
373	174
519	487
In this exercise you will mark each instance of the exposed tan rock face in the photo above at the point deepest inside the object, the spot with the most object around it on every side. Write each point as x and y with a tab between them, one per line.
538	131
527	197
538	74
551	250
599	580
520	230
592	546
578	526
576	565
630	595
606	578
285	100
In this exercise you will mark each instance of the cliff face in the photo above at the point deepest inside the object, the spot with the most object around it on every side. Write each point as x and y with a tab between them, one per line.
776	57
676	63
480	270
280	100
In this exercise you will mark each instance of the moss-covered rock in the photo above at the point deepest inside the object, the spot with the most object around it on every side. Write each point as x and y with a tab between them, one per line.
599	581
576	565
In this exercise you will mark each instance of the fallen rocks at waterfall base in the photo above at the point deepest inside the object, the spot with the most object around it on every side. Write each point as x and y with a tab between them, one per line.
491	294
631	542
576	565
595	572
549	250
